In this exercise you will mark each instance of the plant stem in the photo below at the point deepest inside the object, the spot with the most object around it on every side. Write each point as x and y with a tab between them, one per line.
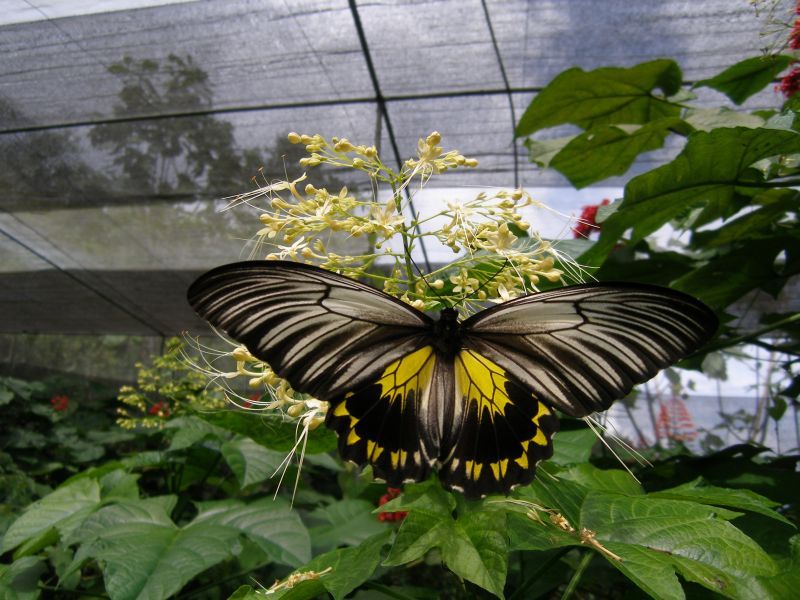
398	203
576	577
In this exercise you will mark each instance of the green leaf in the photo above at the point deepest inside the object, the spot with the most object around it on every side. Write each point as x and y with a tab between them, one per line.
526	533
274	527
694	540
699	491
786	583
764	221
474	546
192	430
606	96
612	480
542	152
20	579
338	572
706	119
573	446
346	522
609	150
651	572
250	461
747	77
726	277
64	509
166	557
707	173
6	395
271	431
551	491
469	543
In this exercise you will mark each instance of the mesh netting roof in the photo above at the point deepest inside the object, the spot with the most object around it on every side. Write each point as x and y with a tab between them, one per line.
123	123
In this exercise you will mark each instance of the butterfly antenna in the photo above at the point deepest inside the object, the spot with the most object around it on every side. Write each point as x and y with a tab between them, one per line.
598	431
612	432
430	287
489	280
284	466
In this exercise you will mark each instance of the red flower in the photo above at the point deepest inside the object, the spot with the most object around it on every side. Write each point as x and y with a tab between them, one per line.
790	83
587	222
390	516
60	403
160	408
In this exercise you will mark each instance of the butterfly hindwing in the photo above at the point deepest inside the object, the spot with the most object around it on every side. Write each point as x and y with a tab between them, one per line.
579	348
379	423
504	432
320	331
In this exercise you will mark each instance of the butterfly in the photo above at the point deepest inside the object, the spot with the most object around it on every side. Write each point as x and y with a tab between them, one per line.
475	400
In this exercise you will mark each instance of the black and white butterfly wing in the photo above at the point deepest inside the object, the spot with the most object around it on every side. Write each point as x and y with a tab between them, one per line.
579	348
366	353
322	332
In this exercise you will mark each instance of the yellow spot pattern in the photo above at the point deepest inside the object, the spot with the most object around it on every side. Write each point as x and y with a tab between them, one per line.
411	373
481	381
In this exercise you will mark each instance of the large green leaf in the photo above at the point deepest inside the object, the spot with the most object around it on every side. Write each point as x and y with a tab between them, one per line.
473	546
251	462
20	579
166	557
573	446
347	522
770	216
610	150
699	491
610	480
726	277
687	537
747	77
274	527
526	533
192	430
63	510
708	174
606	96
338	572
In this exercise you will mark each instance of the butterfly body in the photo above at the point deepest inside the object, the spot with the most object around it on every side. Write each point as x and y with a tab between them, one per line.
475	400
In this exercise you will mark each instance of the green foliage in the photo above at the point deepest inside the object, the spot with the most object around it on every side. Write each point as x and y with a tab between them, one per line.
197	513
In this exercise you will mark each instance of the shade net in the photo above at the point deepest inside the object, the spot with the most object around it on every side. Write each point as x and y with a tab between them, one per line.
121	130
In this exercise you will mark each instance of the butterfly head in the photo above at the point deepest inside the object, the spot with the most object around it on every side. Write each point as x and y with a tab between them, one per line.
447	332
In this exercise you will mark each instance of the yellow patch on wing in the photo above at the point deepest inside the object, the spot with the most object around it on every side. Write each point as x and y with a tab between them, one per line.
506	429
378	423
481	381
412	372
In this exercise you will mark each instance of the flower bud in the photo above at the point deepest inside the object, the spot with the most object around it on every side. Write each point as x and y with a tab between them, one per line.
296	410
294	138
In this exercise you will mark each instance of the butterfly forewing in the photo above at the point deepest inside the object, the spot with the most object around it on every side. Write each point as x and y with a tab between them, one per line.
322	332
582	347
